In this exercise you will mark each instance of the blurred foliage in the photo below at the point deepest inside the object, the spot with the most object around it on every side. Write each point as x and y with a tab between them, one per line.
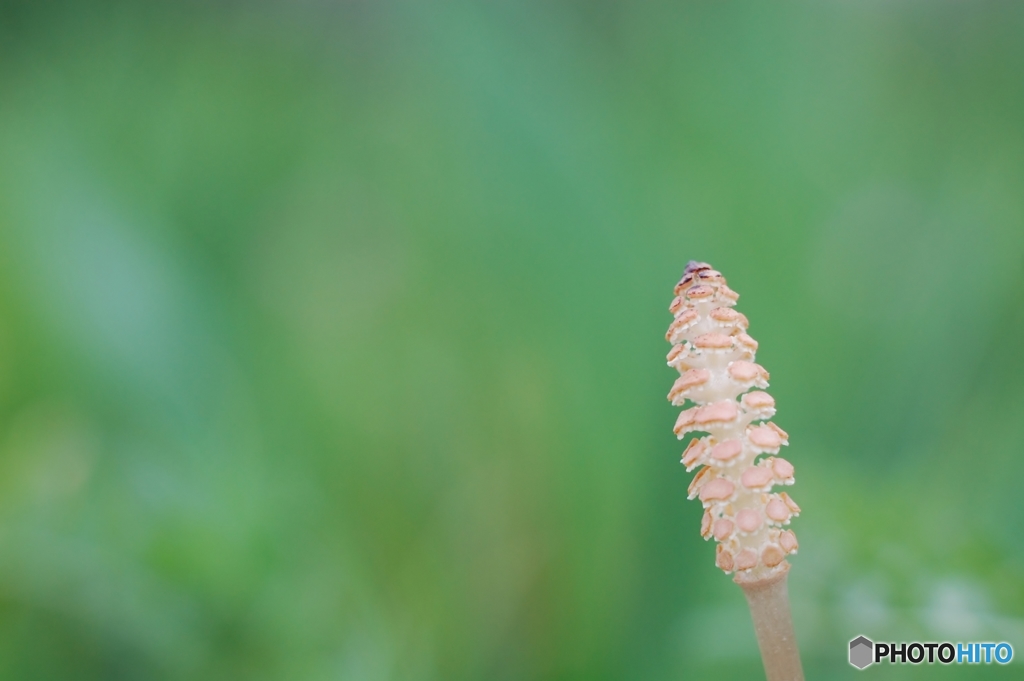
331	334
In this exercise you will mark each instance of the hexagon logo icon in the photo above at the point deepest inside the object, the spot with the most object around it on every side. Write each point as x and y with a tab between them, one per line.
861	649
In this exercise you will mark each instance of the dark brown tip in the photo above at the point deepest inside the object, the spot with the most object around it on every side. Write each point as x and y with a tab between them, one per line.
694	266
692	271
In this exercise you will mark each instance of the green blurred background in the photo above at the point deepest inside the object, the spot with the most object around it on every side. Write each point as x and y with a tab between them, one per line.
331	334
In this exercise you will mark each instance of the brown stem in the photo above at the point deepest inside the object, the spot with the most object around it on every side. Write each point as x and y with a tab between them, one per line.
773	624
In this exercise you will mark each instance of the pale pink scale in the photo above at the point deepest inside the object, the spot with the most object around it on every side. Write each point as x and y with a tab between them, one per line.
705	524
694	452
777	510
758	399
713	341
719	412
748	520
718	489
725	451
746	559
772	555
756	477
723	558
764	437
782	469
723	528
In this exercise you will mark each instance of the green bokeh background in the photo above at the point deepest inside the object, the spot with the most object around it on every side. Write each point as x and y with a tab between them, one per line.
331	334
